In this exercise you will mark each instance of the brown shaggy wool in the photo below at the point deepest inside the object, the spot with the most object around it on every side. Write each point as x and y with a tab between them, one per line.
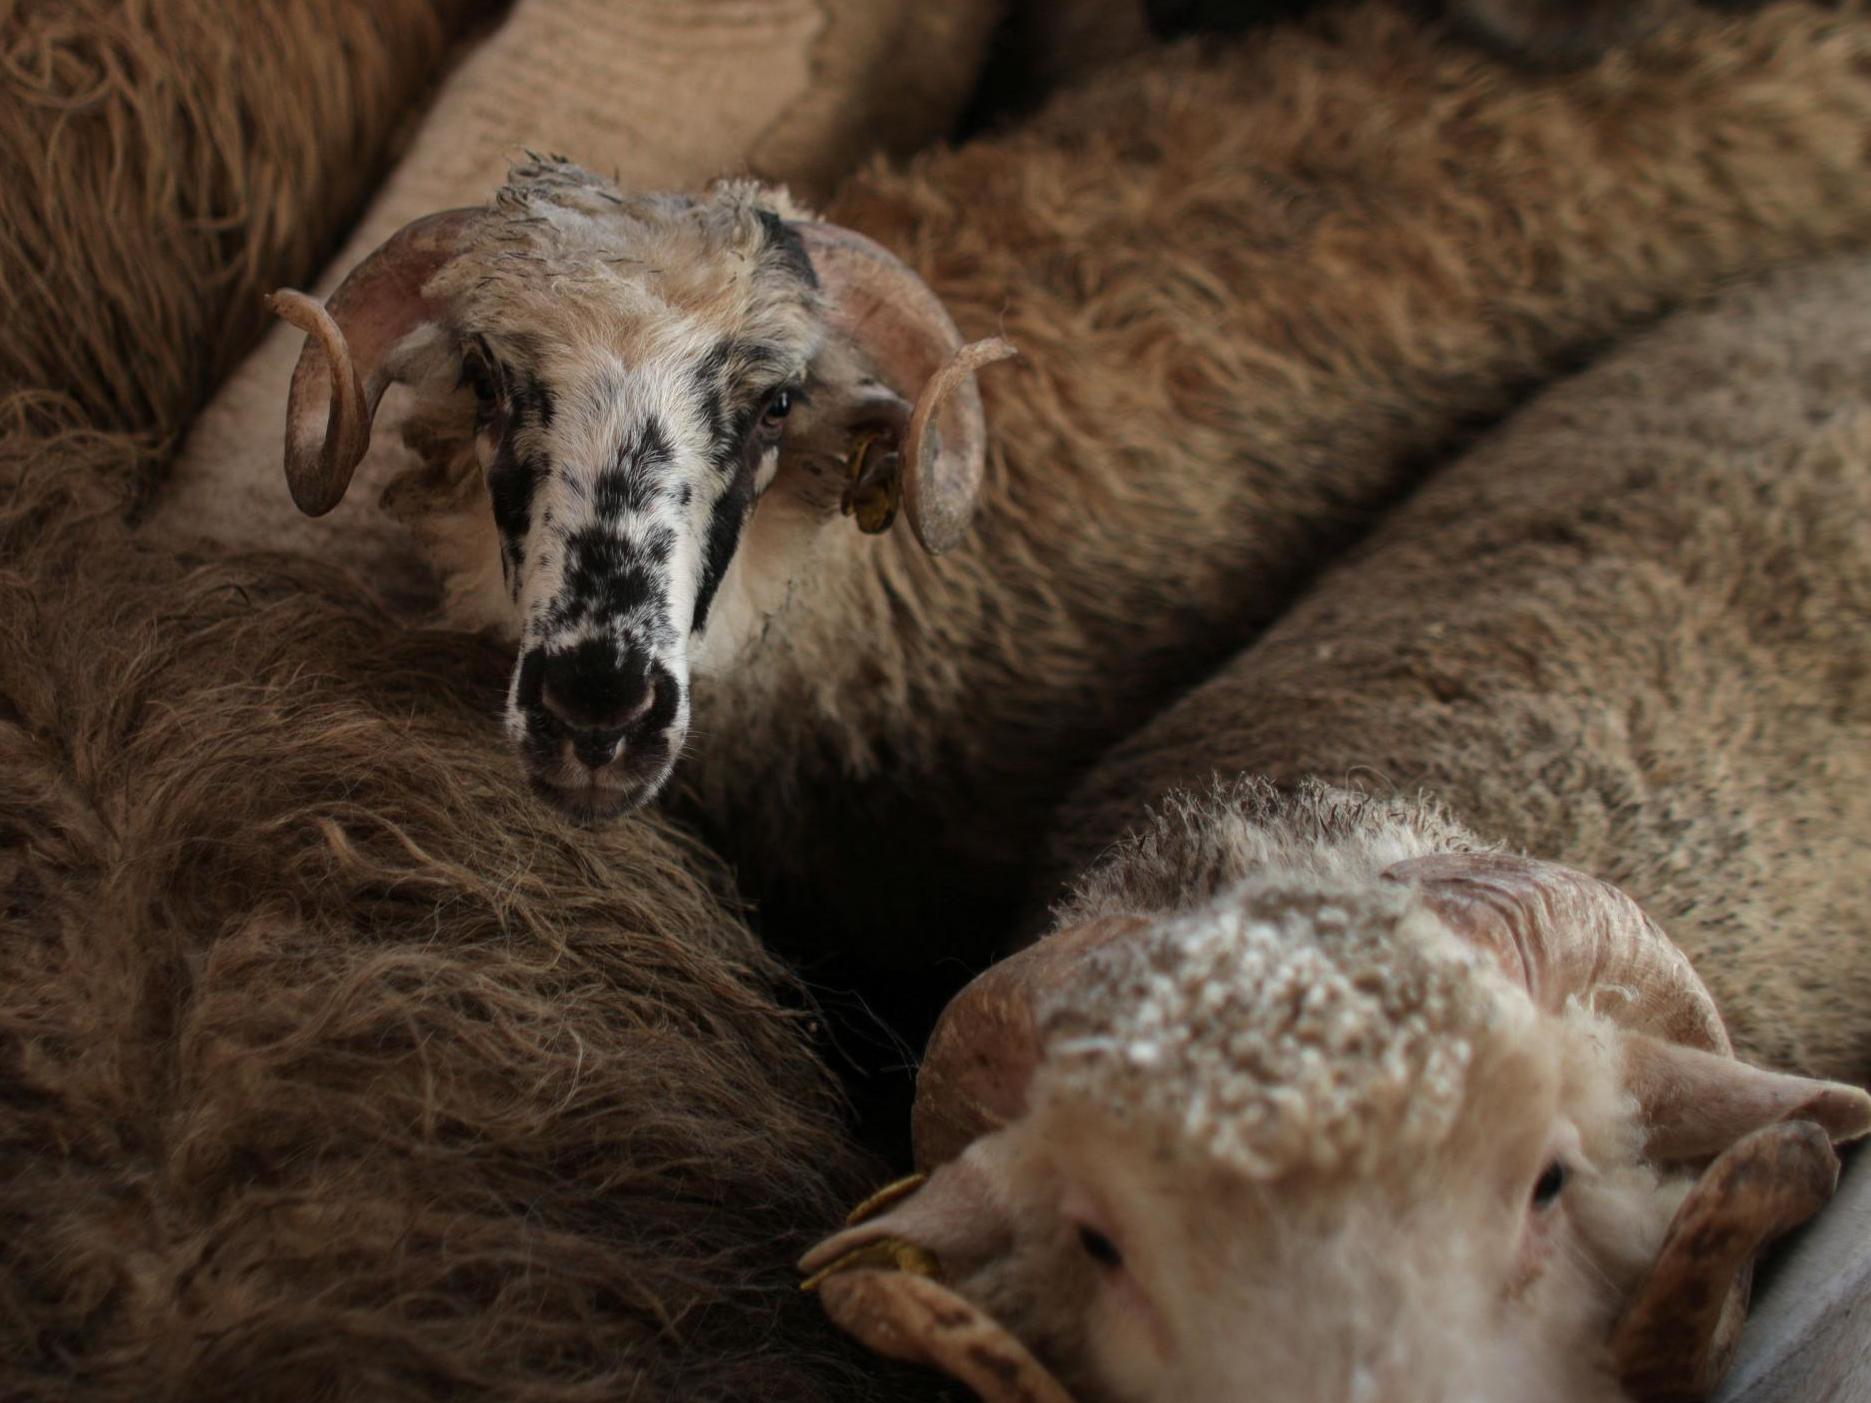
1630	632
332	1065
1258	290
163	162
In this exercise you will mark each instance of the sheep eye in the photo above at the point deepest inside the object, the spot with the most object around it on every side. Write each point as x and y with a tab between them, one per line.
777	408
1100	1248
1548	1186
480	378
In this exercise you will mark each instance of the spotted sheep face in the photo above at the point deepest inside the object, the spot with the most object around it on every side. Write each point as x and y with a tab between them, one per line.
634	370
623	451
1311	1143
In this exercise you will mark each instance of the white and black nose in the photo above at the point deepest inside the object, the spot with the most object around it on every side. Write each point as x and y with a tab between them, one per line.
601	699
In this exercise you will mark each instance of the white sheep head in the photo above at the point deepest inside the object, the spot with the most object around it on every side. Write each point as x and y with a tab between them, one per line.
1469	1132
639	372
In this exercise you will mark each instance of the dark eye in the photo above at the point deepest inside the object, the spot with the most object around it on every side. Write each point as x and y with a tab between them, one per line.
1100	1248
1548	1186
777	408
474	370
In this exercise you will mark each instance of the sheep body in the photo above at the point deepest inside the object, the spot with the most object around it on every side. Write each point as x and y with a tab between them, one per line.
1253	293
333	1062
1296	1012
1627	632
1301	1122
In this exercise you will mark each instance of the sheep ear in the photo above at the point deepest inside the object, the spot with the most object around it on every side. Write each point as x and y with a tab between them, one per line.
1679	1330
932	1226
357	344
1696	1104
923	1322
934	456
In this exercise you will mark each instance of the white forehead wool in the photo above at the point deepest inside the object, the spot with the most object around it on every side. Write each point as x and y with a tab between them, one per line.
563	254
1276	1029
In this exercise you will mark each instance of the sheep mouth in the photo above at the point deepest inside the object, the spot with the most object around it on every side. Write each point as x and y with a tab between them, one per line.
593	795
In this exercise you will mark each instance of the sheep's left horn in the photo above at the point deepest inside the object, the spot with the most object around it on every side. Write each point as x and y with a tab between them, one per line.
985	1047
1677	1335
1563	934
906	332
351	353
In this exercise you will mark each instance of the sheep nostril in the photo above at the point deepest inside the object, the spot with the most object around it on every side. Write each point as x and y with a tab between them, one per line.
596	749
591	690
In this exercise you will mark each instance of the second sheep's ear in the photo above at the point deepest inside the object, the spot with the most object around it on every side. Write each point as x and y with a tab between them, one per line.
1697	1104
919	434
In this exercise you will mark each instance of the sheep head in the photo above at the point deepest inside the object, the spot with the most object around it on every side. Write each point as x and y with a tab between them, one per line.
1469	1132
639	373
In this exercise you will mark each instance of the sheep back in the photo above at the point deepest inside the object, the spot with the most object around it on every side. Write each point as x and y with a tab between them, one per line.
1630	631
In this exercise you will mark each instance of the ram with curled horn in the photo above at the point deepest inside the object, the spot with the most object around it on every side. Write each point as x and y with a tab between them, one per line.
640	372
1405	1119
1323	1095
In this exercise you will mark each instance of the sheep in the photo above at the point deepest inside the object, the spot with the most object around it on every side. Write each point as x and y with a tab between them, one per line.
330	1065
1396	1116
1252	293
662	95
334	1065
1320	1089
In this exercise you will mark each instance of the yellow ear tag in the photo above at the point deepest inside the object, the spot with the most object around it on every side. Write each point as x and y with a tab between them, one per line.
873	482
885	1254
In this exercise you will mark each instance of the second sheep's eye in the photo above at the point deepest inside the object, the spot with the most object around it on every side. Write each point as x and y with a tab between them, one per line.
1100	1248
1549	1185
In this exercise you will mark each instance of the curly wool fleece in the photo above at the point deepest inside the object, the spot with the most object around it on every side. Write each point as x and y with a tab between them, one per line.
1301	1029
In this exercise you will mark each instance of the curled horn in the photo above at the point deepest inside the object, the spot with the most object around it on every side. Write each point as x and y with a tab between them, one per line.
985	1046
1675	1339
1563	934
920	1321
350	359
882	306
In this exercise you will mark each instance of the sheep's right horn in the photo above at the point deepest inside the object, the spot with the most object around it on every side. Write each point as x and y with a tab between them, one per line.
874	299
1561	934
985	1046
351	353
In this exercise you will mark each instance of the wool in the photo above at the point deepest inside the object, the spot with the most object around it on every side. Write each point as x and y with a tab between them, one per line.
1278	1029
163	163
1259	290
1627	632
333	1063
